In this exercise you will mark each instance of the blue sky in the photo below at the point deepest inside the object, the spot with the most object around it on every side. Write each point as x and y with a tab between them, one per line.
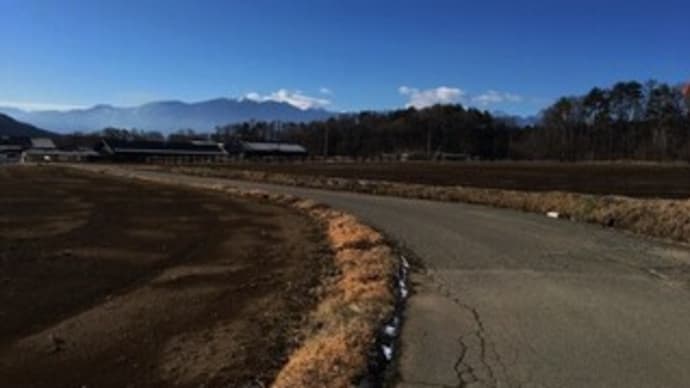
515	56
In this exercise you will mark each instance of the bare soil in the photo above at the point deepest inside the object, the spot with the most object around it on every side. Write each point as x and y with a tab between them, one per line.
629	179
107	282
355	300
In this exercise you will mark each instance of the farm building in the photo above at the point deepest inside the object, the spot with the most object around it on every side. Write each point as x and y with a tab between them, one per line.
59	155
25	149
269	149
42	149
156	151
11	148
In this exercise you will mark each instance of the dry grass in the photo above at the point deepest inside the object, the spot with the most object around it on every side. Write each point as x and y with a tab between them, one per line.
353	305
661	218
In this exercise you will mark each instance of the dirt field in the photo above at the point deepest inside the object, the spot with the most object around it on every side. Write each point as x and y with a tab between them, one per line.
635	180
112	283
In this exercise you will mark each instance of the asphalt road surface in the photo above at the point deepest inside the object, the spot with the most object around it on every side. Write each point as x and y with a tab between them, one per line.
508	299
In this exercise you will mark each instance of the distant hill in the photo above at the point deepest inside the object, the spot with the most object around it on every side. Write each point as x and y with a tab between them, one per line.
12	127
168	116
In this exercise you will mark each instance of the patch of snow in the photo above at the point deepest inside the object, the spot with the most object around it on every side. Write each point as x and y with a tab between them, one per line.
403	289
402	277
387	351
391	329
405	264
384	350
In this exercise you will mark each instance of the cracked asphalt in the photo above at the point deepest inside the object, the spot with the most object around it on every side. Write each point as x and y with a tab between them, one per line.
507	299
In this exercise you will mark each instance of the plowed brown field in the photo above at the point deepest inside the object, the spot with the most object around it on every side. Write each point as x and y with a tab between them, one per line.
114	283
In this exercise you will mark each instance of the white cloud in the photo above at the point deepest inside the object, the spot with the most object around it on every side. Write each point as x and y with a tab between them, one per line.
492	97
325	91
451	95
254	96
295	98
35	106
428	97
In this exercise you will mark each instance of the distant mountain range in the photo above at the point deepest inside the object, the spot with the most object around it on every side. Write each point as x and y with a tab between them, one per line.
167	116
12	127
520	121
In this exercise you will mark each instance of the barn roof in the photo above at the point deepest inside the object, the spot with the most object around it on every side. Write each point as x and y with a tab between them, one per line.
273	147
42	143
57	152
162	148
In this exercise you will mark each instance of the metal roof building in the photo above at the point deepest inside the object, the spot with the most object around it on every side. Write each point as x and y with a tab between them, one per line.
150	150
42	143
11	148
272	149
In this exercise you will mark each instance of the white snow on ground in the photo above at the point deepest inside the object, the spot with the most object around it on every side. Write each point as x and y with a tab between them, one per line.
391	329
402	279
387	351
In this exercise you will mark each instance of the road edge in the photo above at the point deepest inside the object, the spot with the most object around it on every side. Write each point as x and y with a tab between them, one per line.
665	219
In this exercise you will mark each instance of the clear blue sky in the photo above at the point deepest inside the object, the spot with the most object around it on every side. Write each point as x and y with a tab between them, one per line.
515	56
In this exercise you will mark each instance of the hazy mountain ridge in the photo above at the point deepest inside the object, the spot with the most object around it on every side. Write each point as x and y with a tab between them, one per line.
167	116
520	121
12	127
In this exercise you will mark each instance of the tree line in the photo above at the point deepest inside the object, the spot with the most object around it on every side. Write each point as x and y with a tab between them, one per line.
629	120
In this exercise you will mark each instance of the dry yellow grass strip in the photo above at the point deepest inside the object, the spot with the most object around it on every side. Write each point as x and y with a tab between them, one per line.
354	306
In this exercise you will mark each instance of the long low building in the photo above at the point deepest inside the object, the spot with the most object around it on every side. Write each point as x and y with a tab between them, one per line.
11	148
148	151
271	149
40	150
57	155
196	151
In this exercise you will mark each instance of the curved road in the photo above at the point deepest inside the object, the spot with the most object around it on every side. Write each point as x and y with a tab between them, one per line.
508	299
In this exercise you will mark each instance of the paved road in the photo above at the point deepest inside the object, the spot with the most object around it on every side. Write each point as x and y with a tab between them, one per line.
511	299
